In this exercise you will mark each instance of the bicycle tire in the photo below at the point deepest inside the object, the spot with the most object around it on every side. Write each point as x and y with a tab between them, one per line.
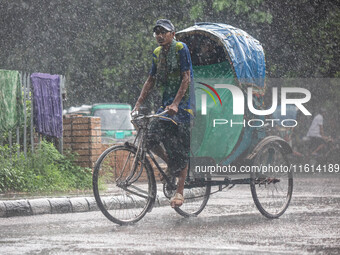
195	200
271	191
122	194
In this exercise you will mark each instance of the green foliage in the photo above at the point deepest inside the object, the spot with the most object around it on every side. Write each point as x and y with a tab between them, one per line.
122	76
9	176
328	55
197	10
254	10
104	48
44	170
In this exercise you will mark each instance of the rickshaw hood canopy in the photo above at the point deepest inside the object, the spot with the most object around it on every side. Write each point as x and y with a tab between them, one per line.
245	52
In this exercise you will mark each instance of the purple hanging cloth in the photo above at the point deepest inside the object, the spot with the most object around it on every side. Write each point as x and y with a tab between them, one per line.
47	108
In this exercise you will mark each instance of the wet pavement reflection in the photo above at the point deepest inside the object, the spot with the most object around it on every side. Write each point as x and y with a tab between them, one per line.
230	224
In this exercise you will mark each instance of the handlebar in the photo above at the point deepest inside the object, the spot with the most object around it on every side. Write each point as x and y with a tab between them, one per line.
139	116
159	115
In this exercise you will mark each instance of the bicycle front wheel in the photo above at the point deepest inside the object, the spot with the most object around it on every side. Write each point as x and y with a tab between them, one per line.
272	184
123	186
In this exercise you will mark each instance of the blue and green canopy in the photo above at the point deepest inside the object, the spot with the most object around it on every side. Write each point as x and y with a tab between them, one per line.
222	54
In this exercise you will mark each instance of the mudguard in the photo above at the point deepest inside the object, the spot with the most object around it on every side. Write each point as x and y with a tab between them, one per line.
284	145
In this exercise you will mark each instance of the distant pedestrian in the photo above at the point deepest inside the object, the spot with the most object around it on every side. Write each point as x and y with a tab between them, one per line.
316	133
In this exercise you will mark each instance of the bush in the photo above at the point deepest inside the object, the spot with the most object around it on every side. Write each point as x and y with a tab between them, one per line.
44	170
11	176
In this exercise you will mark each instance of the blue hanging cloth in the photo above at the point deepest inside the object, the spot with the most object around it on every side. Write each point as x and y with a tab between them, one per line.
47	108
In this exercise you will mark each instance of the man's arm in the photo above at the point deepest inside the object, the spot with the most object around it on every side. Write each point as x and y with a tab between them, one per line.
148	85
173	108
326	138
321	131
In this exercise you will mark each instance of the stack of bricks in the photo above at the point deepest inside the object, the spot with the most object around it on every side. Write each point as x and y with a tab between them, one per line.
82	136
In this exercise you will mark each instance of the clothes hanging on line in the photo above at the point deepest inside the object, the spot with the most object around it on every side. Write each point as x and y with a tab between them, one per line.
47	107
11	100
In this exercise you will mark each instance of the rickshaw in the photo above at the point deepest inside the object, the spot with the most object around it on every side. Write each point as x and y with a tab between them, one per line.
124	181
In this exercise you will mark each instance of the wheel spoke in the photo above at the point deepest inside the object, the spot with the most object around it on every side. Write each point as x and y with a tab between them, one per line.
146	196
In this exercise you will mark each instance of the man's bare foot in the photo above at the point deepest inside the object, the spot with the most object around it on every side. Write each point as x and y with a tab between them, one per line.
177	200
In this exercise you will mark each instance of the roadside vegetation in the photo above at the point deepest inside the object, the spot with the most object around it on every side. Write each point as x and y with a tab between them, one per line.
300	39
45	170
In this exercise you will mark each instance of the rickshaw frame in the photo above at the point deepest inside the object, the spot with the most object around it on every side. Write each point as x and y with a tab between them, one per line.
143	159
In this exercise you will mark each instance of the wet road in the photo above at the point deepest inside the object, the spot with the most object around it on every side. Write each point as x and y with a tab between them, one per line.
230	224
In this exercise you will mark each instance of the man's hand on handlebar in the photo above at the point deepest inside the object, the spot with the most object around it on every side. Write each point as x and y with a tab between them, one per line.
172	109
135	110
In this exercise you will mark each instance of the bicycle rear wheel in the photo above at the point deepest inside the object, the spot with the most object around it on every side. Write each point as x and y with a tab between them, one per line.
124	187
196	195
272	185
